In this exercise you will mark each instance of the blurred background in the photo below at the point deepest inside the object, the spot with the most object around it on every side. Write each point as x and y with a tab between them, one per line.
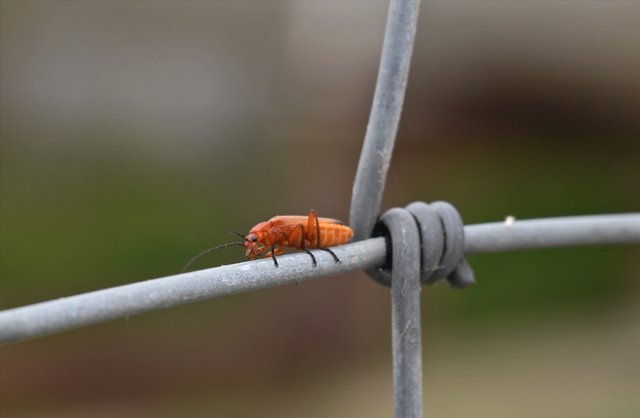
134	134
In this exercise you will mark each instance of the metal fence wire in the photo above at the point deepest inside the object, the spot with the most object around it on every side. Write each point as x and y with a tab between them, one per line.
404	248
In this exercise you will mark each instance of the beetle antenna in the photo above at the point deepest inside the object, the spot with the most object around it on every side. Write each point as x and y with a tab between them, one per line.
238	234
207	251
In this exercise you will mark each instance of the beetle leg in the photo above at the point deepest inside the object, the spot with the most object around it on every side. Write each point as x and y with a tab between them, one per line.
313	218
303	247
335	257
273	254
313	258
314	215
277	251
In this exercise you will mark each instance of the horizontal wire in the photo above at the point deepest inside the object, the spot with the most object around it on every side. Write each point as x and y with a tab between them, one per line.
513	234
123	301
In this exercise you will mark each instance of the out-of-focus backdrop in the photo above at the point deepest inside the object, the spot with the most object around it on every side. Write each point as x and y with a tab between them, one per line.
135	134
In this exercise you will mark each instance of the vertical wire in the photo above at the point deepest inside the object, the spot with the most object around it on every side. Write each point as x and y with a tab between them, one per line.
385	116
406	329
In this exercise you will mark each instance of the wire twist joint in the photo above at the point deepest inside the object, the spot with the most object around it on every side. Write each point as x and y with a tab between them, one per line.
437	230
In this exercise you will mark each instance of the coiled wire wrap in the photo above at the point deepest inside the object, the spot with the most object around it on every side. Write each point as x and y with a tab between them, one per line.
439	237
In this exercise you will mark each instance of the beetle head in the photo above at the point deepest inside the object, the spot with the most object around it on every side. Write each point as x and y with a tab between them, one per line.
254	247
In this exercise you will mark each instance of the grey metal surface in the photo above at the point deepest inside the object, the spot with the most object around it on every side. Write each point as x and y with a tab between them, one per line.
384	119
441	232
406	326
514	234
123	301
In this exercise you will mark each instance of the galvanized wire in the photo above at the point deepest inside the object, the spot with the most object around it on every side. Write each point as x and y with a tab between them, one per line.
384	119
368	189
513	234
441	254
406	329
124	301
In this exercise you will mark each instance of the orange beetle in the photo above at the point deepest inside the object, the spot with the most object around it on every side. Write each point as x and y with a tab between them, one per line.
271	237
